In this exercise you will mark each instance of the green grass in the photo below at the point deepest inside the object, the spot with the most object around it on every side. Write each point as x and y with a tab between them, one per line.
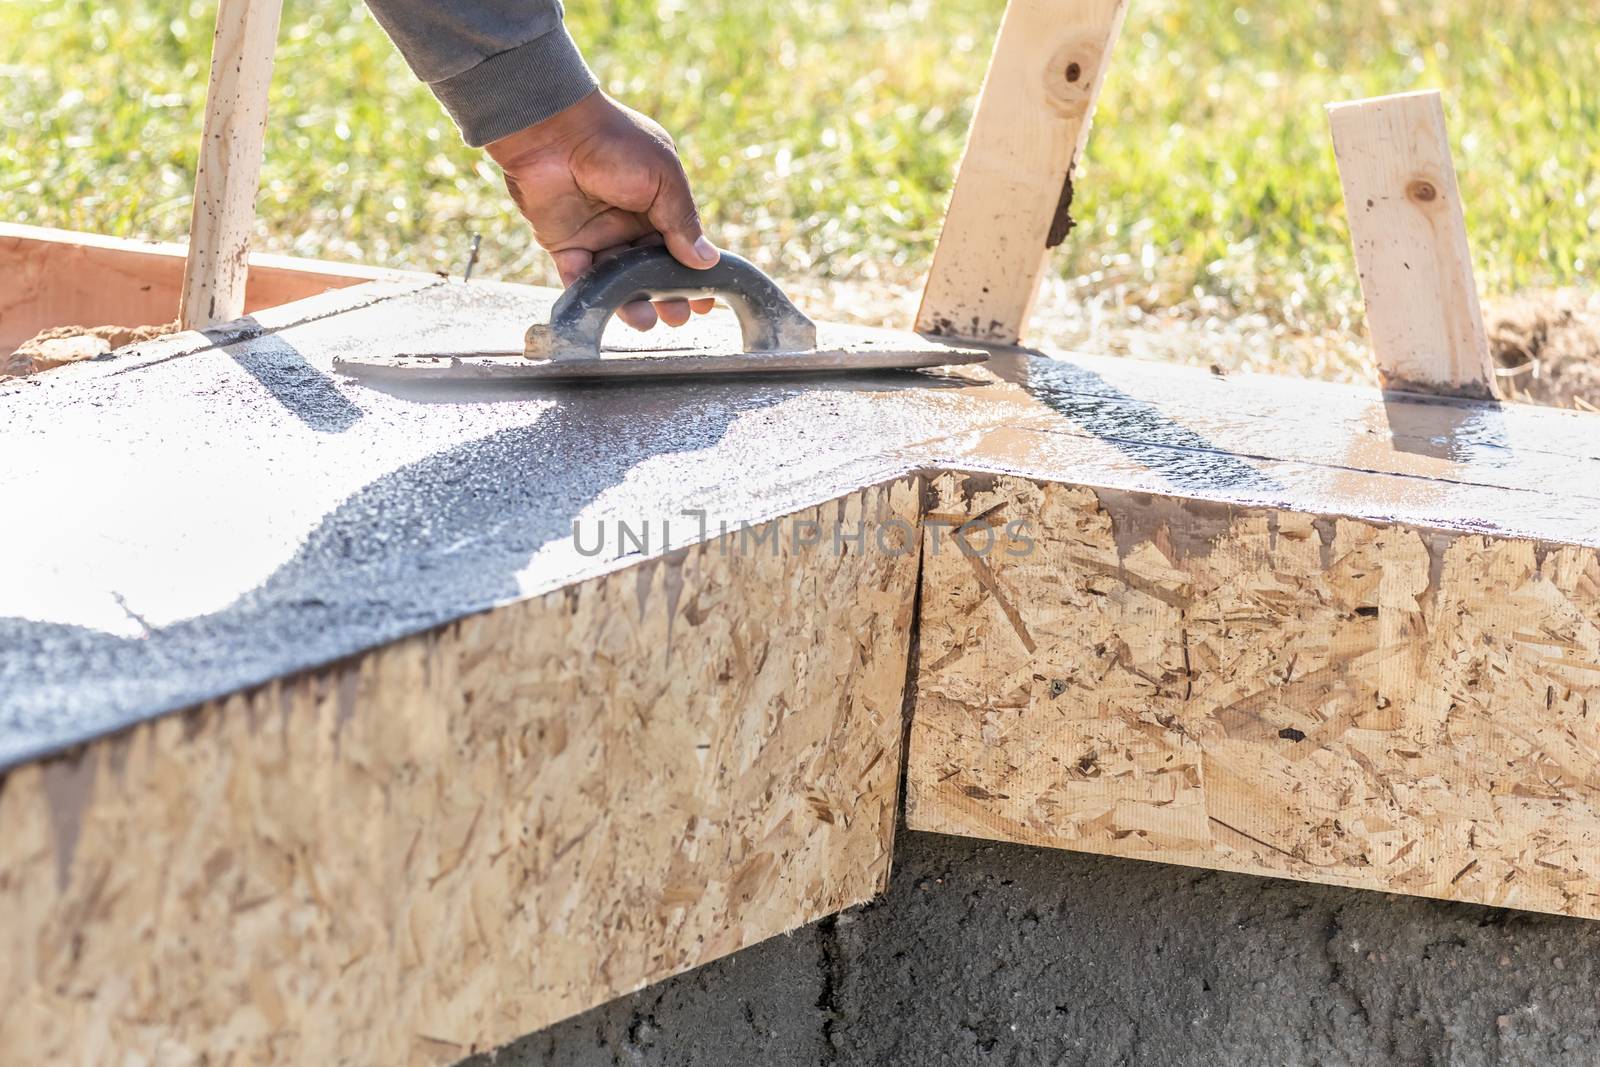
822	135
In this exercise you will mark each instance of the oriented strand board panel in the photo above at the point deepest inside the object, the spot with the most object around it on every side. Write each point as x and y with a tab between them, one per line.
507	745
1361	703
474	832
417	619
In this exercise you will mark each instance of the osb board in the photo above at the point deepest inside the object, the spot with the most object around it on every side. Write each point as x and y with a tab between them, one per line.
1276	693
467	835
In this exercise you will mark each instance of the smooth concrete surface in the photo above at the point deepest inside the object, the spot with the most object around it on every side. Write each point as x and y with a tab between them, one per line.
1008	955
210	521
201	515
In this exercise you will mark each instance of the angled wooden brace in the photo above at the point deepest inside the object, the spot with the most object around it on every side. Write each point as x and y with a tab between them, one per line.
1013	190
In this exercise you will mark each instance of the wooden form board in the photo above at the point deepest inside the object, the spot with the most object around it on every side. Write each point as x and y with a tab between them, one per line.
229	172
1357	703
373	809
470	834
1408	227
64	278
1013	190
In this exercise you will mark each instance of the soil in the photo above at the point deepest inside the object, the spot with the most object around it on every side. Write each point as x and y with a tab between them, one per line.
1546	343
60	345
1547	348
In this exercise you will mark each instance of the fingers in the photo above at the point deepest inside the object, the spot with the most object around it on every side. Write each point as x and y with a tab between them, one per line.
675	216
612	229
640	314
571	263
673	312
598	178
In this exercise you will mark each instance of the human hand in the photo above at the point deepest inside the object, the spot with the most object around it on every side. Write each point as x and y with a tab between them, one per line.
598	178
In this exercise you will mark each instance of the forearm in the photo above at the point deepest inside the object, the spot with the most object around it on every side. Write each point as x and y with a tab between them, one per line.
498	66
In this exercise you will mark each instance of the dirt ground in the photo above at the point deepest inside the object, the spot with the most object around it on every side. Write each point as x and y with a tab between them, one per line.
61	345
990	955
1546	343
1547	348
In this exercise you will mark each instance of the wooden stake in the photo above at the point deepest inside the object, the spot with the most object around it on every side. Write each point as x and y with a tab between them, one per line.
1014	187
230	162
1410	238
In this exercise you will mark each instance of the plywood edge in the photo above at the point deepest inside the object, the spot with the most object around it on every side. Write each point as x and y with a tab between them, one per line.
268	320
21	239
64	277
360	861
1351	702
436	847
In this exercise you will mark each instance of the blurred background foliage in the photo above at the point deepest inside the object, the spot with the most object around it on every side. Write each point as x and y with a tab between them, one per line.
822	136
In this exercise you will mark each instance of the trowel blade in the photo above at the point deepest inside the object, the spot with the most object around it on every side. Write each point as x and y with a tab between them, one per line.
477	366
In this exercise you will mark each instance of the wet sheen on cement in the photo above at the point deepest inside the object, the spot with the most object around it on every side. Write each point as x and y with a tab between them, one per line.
210	519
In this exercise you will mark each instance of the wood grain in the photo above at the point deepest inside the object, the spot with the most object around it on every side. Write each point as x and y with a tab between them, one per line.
64	278
1280	693
229	170
472	833
1408	226
1267	625
1013	191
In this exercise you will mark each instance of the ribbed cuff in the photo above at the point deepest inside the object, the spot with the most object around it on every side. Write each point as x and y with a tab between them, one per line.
515	89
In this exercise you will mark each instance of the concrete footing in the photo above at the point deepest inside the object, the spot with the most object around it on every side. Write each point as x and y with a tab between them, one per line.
986	953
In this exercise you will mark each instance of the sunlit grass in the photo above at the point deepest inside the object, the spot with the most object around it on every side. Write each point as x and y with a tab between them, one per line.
822	135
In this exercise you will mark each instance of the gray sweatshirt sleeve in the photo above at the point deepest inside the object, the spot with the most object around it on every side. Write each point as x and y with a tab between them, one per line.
496	65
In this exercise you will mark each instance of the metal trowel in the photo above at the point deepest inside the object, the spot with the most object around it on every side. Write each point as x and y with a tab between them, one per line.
776	337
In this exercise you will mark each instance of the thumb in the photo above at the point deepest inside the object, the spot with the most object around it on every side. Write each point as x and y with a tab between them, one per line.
675	216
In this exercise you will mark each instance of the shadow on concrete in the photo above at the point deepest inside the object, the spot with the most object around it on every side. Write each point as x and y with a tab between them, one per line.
418	547
301	389
1138	429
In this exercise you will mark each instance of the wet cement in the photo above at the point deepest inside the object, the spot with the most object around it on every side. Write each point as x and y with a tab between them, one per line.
998	954
203	515
232	515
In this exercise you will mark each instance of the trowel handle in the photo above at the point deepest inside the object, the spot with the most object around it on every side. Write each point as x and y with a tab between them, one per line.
769	322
